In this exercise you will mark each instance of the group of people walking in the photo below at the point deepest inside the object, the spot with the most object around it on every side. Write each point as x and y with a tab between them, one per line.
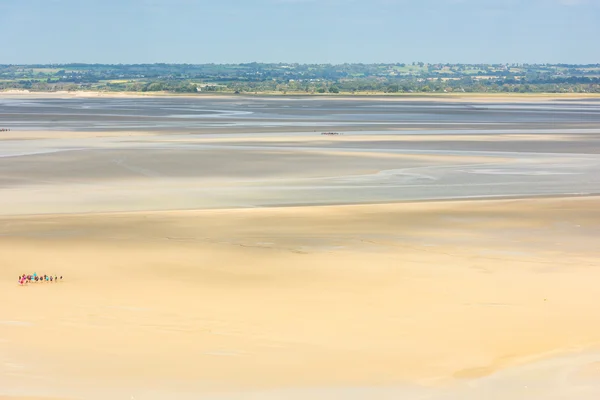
25	279
4	130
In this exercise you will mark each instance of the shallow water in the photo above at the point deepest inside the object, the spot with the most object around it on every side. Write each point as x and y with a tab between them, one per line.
256	112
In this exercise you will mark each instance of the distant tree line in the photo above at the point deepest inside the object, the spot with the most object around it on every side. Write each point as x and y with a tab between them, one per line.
306	78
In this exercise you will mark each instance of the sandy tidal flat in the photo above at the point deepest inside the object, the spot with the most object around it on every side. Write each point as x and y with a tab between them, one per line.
222	248
447	300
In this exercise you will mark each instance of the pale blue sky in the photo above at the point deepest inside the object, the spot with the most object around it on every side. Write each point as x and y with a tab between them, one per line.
307	31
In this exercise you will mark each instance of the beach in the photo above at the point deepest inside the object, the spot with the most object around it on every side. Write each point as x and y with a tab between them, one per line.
431	295
427	252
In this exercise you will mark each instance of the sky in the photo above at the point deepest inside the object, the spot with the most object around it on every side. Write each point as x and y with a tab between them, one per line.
303	31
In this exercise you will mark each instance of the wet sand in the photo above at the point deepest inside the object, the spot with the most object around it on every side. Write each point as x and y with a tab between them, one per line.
166	171
231	255
231	114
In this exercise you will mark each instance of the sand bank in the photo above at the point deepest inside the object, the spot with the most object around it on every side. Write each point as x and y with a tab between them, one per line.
452	97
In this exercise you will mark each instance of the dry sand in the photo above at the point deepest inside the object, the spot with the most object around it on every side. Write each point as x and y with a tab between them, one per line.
445	97
45	134
446	300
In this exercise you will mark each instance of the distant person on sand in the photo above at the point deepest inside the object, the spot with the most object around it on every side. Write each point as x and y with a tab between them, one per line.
24	279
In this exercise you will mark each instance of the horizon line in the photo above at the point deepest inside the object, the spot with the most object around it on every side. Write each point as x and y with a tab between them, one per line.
302	63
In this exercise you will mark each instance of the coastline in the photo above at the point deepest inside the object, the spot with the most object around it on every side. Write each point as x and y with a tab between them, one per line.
483	97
